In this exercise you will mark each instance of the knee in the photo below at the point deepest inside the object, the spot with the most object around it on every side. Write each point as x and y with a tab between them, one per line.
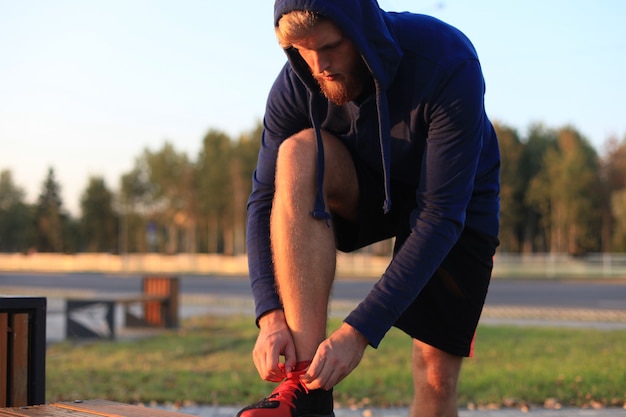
435	378
297	149
435	374
440	385
297	168
296	164
435	395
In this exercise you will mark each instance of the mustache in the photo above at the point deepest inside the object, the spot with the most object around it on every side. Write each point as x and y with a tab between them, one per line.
322	77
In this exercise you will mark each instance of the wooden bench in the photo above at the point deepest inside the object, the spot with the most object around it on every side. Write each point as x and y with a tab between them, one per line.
163	312
95	317
89	408
22	351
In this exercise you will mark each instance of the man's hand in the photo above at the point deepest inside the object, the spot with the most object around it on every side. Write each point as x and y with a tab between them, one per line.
335	358
274	341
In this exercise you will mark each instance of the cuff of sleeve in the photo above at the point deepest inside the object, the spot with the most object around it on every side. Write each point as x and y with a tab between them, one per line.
264	308
260	316
373	330
375	315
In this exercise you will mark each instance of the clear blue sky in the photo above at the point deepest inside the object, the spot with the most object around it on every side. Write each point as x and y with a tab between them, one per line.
85	86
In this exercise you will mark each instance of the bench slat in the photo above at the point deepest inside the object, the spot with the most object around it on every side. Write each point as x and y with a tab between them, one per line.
19	363
4	346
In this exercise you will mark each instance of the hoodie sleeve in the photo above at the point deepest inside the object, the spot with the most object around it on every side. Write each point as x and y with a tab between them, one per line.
285	115
455	129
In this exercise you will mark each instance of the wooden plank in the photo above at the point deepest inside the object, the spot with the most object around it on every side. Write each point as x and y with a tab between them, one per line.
164	314
114	409
18	385
22	350
152	310
8	412
4	358
91	408
42	411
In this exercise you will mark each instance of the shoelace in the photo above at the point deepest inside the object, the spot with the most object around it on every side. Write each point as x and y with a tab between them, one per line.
286	391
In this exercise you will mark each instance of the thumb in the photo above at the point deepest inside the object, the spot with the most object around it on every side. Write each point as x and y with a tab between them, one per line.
290	357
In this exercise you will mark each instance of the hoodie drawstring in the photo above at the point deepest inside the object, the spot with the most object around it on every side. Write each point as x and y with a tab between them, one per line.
384	141
319	210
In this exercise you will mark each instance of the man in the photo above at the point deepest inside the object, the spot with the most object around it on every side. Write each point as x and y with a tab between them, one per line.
375	128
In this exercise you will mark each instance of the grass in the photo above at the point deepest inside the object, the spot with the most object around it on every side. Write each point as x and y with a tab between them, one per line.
530	365
208	361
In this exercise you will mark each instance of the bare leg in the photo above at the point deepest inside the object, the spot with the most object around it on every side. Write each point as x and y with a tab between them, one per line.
304	247
435	377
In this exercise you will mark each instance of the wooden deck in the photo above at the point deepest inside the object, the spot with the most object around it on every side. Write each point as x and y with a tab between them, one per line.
88	408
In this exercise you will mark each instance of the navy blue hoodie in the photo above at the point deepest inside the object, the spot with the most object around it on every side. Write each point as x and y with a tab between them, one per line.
424	126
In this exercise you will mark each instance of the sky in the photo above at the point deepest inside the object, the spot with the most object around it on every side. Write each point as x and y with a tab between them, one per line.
87	85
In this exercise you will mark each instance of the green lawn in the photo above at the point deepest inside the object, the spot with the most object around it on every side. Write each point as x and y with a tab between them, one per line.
208	361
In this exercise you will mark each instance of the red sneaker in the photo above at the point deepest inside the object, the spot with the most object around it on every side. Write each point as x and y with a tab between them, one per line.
292	399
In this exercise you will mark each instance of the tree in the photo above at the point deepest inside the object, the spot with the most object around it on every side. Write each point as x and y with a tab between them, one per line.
244	162
614	180
48	216
618	209
133	204
171	175
10	194
565	192
16	217
161	190
536	196
512	187
214	182
98	218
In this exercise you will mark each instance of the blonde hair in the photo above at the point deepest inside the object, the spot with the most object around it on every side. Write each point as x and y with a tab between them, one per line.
296	25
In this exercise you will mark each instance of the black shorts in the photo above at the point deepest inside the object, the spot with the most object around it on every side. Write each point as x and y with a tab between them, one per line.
446	312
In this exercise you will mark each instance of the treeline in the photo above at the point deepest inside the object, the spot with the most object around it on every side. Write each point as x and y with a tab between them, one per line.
558	195
168	203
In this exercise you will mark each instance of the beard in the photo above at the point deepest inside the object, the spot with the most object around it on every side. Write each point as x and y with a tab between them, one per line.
346	87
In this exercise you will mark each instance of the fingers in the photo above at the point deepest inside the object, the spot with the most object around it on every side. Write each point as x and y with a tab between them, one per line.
319	375
335	358
290	356
326	371
268	368
266	358
274	340
263	367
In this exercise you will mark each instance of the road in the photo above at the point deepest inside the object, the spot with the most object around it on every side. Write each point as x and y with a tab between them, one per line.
586	294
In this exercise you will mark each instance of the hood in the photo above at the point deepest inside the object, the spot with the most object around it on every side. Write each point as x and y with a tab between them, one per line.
364	22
